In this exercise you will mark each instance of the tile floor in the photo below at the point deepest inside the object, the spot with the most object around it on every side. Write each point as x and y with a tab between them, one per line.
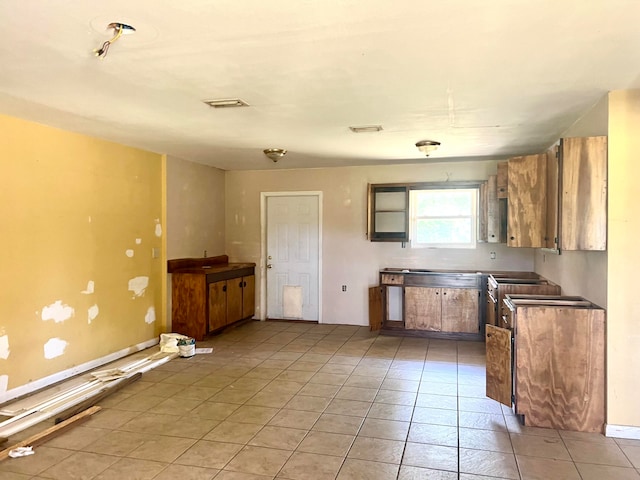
314	402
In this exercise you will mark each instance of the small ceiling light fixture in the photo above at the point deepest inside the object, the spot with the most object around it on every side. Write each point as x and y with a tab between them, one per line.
366	129
119	30
226	103
274	154
427	146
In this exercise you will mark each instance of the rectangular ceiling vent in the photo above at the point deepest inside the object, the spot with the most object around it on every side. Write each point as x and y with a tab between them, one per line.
226	103
366	129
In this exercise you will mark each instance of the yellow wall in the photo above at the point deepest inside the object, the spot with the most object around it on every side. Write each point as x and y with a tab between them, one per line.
348	258
623	316
75	210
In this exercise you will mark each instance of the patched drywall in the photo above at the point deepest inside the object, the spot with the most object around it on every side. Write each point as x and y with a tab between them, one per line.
83	203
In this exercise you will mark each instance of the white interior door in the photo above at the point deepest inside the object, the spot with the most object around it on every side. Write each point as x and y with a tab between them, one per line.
292	257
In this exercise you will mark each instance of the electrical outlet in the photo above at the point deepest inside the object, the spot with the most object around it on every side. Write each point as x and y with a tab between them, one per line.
344	288
492	255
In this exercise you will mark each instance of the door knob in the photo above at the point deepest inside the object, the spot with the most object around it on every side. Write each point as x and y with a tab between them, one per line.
269	265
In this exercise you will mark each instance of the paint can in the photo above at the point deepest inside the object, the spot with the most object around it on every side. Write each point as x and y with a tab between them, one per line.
187	347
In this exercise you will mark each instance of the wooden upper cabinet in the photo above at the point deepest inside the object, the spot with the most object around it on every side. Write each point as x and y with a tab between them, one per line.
496	231
483	213
502	179
388	219
583	224
526	216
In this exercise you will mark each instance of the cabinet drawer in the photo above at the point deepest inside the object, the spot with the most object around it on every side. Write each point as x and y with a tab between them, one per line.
391	279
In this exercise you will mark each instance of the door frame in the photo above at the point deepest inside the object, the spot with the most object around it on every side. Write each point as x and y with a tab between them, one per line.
263	246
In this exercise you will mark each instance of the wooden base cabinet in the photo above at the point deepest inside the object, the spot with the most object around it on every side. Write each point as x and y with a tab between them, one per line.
441	309
230	301
551	365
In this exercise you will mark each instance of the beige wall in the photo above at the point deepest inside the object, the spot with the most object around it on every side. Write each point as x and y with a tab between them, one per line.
623	316
195	209
347	257
580	273
80	218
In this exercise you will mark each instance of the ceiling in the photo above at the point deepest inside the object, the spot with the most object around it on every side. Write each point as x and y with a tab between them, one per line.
486	79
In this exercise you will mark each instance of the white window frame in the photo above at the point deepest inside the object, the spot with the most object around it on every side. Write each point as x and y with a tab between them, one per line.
413	219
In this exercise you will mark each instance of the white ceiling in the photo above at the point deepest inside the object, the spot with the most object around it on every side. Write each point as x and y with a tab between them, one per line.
487	79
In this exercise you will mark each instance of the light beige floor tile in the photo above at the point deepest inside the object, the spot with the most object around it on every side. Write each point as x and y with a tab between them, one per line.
395	397
437	416
310	466
437	401
377	449
483	421
233	432
348	407
131	469
602	472
259	461
486	440
214	410
345	360
338	369
472	391
480	405
438	377
433	434
368	371
471	379
283	387
294	419
295	376
186	472
402	385
276	363
388	429
253	414
492	464
535	468
278	437
118	443
329	378
319	390
286	356
598	453
363	382
109	418
416	473
214	381
633	454
77	438
585	437
232	394
436	457
316	357
537	446
175	406
325	443
387	411
433	388
354	469
245	383
269	399
197	393
329	422
209	454
162	448
305	366
307	403
79	466
627	441
357	393
375	363
402	374
191	426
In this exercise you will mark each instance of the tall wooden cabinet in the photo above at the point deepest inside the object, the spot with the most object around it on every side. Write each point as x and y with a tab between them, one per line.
527	190
550	366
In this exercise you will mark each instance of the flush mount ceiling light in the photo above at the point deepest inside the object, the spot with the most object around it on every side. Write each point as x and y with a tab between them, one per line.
226	103
274	154
119	29
427	146
366	128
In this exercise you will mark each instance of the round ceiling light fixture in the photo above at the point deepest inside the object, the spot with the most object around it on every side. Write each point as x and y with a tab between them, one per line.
427	146
274	154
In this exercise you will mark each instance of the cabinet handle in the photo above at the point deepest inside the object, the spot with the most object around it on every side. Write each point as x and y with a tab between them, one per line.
437	293
224	288
240	284
444	293
513	238
244	284
488	335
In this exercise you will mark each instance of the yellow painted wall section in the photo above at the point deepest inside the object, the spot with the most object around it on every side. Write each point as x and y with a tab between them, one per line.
623	315
80	217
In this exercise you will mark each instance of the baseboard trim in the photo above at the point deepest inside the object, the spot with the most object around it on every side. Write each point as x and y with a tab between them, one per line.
71	372
623	431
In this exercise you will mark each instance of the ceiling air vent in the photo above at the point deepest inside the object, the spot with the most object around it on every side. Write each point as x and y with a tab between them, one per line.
366	128
226	103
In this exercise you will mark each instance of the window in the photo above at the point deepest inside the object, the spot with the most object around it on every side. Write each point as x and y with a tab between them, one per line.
444	218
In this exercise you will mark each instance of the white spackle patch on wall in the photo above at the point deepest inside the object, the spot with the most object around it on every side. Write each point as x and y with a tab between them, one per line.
4	347
138	241
54	348
4	382
138	285
158	228
93	312
150	317
89	218
90	288
57	312
129	253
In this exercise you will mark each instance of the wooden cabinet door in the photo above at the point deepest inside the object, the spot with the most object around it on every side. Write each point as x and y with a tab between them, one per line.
188	305
495	234
526	216
491	311
217	305
584	193
375	308
234	300
460	310
499	382
483	213
248	296
423	308
553	199
502	179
